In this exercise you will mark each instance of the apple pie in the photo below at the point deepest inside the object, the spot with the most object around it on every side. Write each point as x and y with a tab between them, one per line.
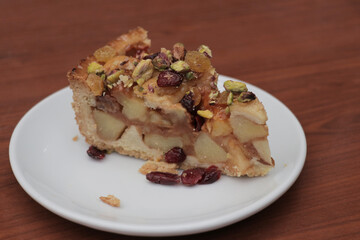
166	107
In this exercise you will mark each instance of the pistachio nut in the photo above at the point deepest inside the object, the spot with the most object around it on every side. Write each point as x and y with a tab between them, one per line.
246	97
189	75
213	94
143	71
235	87
227	110
95	67
180	66
230	97
161	61
205	50
179	51
126	80
167	52
113	78
205	113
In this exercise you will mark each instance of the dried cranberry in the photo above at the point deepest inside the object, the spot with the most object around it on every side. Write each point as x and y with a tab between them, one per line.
96	153
188	102
211	174
169	79
151	56
163	178
198	121
192	176
175	155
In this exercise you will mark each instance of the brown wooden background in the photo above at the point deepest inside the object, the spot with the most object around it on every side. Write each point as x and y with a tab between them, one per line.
306	53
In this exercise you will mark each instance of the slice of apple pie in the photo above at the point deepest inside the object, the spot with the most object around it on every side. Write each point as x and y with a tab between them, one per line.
159	106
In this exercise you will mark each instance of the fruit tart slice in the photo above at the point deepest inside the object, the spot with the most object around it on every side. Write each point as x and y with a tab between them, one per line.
159	106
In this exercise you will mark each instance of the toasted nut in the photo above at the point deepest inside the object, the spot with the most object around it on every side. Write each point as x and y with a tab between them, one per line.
95	67
105	53
213	94
205	113
179	51
246	97
235	87
230	97
189	75
205	50
180	66
227	110
143	71
113	78
126	80
167	52
161	61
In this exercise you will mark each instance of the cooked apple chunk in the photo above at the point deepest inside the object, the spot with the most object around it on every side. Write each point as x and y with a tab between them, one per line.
108	127
208	151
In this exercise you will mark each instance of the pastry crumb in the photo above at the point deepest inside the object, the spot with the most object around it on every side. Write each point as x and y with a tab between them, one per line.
111	200
151	166
75	138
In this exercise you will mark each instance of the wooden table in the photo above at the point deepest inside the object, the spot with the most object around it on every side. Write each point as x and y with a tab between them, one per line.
305	53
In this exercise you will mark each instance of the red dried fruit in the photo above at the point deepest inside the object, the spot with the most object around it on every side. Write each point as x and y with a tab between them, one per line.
198	121
188	102
96	153
192	176
211	174
163	178
175	155
169	79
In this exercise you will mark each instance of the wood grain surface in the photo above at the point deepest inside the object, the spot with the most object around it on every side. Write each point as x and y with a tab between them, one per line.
305	53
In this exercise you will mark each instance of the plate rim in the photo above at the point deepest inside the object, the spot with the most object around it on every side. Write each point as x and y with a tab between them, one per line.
155	230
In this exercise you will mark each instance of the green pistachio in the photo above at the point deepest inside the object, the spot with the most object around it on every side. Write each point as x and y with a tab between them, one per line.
167	52
113	78
143	71
230	97
95	67
180	66
103	76
126	80
205	113
235	87
246	97
189	75
227	110
206	50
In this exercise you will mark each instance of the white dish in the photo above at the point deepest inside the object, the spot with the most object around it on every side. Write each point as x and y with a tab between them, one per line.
57	173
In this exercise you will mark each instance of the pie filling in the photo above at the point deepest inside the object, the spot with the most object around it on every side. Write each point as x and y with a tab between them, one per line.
144	104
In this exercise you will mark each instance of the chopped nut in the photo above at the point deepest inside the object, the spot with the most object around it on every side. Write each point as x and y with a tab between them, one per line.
213	95
111	200
143	71
105	53
126	80
230	98
95	67
227	110
180	66
167	52
205	113
189	75
235	87
205	50
161	61
246	97
152	166
114	77
179	51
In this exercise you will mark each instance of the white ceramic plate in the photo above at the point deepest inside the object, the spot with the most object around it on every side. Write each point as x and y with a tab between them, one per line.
57	173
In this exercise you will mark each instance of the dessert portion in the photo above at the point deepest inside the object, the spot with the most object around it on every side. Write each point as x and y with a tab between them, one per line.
165	107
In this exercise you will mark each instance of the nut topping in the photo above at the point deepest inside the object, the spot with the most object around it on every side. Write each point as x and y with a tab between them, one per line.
205	50
230	97
179	51
95	67
235	87
161	61
169	79
180	66
205	113
246	97
143	71
113	78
